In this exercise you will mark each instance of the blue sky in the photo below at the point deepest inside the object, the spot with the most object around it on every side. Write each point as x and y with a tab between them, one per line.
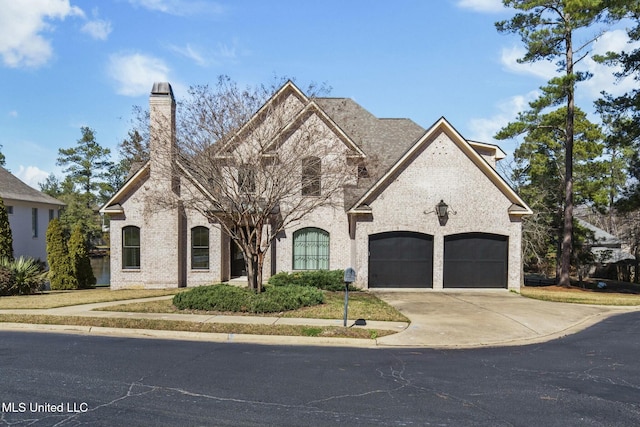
65	64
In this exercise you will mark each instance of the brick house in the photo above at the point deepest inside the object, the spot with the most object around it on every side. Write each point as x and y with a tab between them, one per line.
430	212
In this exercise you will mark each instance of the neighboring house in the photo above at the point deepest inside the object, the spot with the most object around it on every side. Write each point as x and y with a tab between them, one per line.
610	260
426	209
29	212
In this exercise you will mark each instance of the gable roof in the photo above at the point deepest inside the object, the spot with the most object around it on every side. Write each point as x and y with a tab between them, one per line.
12	188
387	144
289	88
313	108
113	205
518	207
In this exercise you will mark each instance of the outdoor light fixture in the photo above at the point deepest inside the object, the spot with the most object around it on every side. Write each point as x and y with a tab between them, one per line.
441	210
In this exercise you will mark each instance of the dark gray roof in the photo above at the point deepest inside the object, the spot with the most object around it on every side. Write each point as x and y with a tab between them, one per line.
12	188
383	141
601	237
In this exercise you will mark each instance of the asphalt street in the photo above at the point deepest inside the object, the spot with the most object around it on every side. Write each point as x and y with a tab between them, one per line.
589	378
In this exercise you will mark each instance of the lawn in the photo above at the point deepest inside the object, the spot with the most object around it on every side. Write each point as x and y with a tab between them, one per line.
178	325
579	295
361	305
53	299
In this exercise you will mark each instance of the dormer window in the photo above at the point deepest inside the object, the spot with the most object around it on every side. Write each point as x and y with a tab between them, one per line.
362	171
246	179
311	176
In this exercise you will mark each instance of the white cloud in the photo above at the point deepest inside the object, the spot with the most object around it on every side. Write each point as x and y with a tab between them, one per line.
225	53
190	52
21	26
603	78
542	69
13	114
482	5
31	175
135	73
98	29
483	129
180	7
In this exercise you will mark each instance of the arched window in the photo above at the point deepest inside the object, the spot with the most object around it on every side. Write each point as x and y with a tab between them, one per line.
199	248
311	176
131	247
310	249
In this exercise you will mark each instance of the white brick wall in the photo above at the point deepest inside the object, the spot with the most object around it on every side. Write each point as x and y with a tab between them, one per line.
440	172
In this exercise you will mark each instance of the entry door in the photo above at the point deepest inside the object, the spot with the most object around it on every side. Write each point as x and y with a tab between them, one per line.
238	266
400	259
476	260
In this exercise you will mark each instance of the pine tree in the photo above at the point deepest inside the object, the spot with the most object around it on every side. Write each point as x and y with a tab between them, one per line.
6	239
60	268
547	29
79	256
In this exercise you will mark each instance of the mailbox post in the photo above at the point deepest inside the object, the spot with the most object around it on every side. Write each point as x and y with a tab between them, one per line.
349	278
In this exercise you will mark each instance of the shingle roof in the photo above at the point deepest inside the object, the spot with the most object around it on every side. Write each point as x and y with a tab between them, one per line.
12	188
383	140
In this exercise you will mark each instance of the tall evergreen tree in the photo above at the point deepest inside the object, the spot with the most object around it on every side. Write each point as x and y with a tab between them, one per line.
3	160
60	269
6	238
83	189
547	28
622	113
539	176
87	165
80	262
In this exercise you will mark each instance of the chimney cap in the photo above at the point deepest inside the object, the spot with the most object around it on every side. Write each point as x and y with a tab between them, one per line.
162	88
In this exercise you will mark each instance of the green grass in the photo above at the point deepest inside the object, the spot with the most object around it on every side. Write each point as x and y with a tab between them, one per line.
579	296
178	325
53	299
361	305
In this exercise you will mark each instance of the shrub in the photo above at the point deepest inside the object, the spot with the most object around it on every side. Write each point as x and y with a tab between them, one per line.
60	269
26	276
7	281
79	258
328	280
231	298
214	298
285	298
6	239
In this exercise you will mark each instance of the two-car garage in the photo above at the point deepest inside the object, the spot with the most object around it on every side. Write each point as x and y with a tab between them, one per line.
404	259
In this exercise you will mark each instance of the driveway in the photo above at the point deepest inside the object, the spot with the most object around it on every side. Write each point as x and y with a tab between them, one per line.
468	318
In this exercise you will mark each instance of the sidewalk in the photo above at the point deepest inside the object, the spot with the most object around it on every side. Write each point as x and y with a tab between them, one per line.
89	310
452	319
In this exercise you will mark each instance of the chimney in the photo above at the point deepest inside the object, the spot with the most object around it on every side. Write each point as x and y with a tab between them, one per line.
162	132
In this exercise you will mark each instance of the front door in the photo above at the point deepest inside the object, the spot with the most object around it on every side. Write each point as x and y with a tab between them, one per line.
238	266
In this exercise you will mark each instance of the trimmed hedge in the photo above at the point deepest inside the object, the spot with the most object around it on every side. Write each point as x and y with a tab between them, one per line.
328	280
242	300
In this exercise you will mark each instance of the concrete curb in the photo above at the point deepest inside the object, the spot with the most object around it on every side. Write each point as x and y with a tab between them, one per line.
191	336
438	320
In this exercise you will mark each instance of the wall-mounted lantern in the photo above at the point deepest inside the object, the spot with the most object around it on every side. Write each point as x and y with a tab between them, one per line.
441	210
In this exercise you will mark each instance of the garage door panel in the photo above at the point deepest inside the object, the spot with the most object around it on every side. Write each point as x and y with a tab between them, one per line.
475	260
400	259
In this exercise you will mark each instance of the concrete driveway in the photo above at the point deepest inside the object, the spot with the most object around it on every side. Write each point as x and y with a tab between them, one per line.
477	318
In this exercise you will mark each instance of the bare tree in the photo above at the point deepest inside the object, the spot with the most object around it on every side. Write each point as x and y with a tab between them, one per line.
256	160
